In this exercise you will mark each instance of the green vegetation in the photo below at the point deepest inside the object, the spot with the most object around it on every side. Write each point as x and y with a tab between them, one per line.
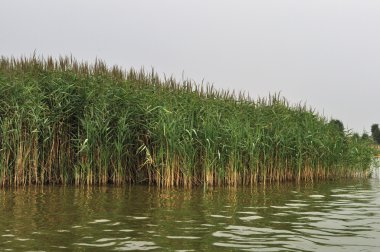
375	133
68	122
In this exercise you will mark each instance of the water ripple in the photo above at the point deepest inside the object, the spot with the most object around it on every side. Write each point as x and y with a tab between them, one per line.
319	217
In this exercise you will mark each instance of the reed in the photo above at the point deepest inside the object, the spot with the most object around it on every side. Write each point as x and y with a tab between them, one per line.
66	122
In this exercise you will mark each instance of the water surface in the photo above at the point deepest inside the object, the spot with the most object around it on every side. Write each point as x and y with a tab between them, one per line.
328	216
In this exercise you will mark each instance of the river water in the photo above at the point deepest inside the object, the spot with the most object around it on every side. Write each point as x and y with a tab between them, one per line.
326	216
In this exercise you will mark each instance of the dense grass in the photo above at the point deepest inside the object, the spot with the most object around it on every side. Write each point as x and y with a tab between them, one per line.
65	122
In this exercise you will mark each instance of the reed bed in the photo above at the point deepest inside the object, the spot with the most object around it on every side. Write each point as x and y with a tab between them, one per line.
64	122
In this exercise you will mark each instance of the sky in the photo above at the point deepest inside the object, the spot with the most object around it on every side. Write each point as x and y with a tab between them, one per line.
325	53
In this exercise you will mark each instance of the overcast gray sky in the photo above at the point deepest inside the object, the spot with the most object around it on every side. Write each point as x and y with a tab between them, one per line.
324	52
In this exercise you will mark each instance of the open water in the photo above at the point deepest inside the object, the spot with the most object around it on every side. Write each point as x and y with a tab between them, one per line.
324	216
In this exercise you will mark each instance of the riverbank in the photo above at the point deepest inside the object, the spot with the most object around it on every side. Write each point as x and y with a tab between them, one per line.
64	122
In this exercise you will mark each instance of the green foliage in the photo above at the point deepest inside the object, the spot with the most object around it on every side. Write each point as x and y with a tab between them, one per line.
365	136
64	122
375	133
338	125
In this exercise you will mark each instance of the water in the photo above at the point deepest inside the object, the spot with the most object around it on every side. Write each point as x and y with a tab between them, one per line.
328	216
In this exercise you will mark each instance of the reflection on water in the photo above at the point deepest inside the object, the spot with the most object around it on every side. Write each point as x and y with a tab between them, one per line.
329	216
